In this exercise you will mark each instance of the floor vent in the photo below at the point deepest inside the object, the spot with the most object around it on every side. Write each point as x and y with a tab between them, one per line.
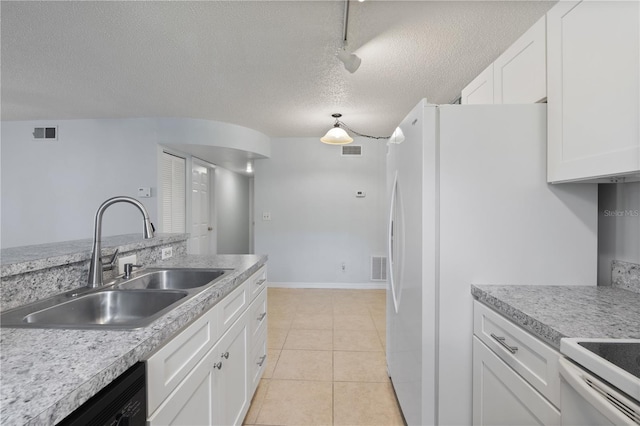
45	133
352	150
378	268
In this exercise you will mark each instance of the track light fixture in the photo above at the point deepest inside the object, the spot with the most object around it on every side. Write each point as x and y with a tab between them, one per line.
338	135
350	60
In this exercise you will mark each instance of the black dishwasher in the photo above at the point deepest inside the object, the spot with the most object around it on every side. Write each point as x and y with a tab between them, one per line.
121	403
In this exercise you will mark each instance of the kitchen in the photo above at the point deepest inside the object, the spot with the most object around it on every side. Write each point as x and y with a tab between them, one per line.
341	231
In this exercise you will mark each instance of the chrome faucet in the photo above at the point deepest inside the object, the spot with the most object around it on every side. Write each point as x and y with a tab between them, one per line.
96	268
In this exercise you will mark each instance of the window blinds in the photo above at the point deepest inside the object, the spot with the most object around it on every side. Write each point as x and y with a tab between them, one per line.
173	193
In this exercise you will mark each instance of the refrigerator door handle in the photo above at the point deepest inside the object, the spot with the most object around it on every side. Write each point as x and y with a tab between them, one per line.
390	241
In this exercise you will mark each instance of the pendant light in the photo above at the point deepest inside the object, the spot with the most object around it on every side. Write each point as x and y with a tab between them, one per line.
336	135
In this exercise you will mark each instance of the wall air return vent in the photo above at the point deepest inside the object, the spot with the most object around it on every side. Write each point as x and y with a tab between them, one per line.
378	268
352	150
45	133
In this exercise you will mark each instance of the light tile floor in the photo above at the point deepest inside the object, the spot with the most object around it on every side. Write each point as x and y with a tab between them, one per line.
326	361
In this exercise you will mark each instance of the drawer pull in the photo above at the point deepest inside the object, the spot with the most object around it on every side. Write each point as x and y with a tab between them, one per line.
512	349
218	365
261	316
262	359
262	281
225	355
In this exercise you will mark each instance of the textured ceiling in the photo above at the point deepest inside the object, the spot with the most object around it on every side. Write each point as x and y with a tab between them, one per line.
267	65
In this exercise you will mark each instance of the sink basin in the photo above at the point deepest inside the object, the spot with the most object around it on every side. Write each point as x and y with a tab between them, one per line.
172	279
120	304
110	308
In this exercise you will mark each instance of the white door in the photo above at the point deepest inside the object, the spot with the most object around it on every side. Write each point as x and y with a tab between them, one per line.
202	231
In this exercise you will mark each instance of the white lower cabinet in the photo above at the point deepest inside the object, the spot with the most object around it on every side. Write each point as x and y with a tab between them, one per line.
215	391
218	387
191	403
231	394
515	376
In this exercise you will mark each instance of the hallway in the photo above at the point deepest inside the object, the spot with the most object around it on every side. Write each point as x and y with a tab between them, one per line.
326	360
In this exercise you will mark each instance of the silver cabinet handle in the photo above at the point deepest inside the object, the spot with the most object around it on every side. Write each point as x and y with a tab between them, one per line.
225	355
499	339
262	281
261	316
218	365
262	359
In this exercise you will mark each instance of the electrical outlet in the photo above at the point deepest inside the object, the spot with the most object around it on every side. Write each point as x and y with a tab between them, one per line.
167	253
124	260
266	215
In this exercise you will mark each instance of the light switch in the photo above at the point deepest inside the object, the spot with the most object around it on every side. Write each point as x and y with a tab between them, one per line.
144	192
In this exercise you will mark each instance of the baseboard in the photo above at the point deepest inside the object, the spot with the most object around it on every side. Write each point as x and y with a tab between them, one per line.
338	286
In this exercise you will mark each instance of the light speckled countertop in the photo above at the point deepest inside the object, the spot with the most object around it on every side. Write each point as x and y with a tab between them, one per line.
554	312
18	260
46	374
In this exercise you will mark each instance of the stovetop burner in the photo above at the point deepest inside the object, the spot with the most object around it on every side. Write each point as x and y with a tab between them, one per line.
625	355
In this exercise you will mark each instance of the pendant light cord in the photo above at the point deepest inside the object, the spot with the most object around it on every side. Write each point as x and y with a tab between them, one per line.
360	134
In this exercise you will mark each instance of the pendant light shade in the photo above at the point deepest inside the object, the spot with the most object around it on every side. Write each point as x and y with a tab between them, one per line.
336	136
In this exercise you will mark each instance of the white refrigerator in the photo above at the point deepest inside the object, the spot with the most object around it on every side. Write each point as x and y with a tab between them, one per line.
469	204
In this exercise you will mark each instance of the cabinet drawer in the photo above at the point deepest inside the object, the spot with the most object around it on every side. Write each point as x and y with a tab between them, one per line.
534	360
258	281
258	315
232	306
170	364
502	397
258	361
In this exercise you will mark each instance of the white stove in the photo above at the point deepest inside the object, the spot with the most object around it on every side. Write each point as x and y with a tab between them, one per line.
600	381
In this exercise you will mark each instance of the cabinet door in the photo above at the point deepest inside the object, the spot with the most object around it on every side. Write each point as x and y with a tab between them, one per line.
191	402
502	397
480	90
231	395
520	73
593	89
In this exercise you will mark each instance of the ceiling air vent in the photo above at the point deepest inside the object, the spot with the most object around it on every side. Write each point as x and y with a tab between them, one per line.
378	268
352	150
45	133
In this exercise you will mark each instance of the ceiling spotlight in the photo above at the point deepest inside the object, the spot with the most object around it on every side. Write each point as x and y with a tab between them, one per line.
338	135
350	60
249	168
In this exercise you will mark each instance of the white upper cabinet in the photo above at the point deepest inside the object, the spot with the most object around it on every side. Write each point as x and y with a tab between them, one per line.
593	77
518	76
480	90
520	73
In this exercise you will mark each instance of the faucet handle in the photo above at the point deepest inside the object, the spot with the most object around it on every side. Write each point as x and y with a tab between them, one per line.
107	266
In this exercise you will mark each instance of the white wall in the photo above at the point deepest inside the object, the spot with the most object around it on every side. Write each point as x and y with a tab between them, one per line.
317	223
618	226
232	212
51	190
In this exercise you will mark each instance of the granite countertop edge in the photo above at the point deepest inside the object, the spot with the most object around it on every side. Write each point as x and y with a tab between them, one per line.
552	313
137	345
537	328
20	260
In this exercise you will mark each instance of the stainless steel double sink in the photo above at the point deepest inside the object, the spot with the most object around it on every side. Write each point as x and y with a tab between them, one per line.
120	304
